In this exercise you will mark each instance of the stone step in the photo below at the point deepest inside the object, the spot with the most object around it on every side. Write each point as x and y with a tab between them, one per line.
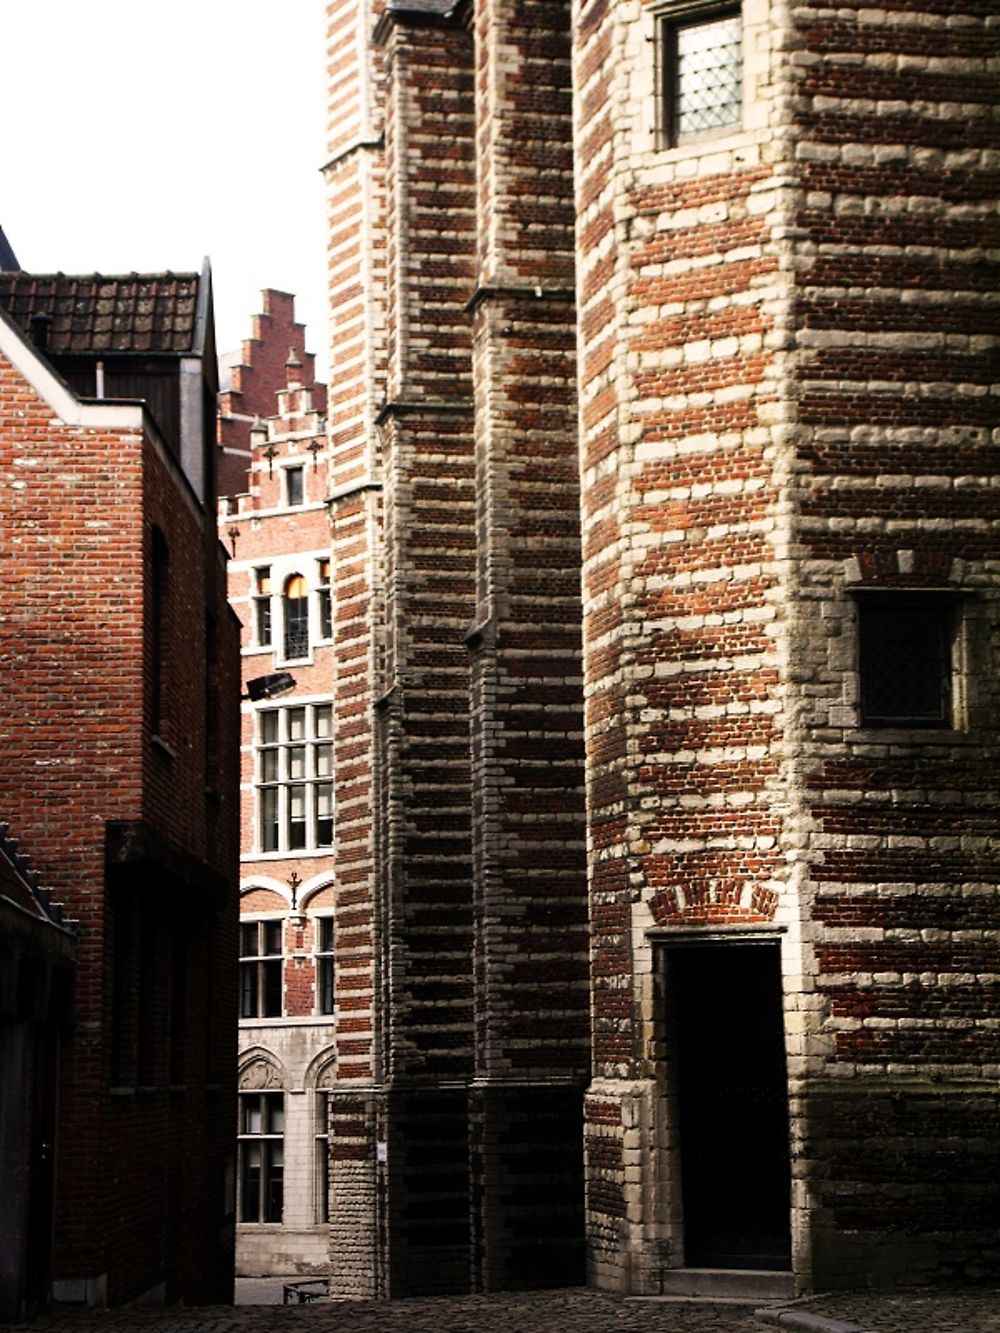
751	1284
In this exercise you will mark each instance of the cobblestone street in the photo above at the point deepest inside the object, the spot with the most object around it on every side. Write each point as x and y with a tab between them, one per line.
569	1311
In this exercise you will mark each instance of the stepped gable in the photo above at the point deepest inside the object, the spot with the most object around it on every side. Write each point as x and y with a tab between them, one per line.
19	885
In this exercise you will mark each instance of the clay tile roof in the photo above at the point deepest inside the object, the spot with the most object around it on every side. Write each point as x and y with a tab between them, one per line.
134	312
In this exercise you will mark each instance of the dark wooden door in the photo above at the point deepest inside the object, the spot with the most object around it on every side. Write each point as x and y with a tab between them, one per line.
727	1021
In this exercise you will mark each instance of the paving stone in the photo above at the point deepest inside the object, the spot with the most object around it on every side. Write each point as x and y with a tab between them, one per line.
566	1311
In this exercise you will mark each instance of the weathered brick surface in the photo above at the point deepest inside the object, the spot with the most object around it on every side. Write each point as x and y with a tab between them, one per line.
134	831
296	1050
784	393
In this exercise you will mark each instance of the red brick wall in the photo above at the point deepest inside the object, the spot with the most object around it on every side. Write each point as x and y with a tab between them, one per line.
75	641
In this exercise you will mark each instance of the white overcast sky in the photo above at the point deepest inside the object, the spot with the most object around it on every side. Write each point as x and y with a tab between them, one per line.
142	137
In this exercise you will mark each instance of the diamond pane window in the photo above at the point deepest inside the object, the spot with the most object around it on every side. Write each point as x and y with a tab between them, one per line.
704	69
904	661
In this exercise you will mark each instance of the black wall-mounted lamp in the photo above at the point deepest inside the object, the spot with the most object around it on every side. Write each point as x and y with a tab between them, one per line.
269	687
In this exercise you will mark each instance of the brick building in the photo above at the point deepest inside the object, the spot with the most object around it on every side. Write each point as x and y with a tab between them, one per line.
117	763
713	280
276	526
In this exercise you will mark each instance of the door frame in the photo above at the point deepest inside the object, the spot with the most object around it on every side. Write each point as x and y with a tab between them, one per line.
663	1057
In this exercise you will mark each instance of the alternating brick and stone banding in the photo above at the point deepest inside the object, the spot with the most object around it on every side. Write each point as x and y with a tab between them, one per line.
785	369
764	353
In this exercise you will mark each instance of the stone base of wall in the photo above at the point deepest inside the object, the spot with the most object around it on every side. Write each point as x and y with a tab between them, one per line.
527	1185
903	1181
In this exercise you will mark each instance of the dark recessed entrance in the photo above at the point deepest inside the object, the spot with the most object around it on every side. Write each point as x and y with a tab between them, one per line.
726	1032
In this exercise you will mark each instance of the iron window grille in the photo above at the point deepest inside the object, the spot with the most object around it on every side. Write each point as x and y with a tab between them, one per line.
296	618
260	969
295	777
701	75
905	656
261	1152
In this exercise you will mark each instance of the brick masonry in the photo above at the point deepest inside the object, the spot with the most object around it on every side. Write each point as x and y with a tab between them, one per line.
764	354
293	1050
784	397
123	806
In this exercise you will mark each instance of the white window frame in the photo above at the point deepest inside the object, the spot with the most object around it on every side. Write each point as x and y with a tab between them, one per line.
286	762
265	1141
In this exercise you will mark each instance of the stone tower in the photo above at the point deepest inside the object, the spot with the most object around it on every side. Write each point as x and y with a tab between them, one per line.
791	584
686	304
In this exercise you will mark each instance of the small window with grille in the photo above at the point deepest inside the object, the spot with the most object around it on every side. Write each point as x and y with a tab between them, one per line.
905	656
701	49
295	608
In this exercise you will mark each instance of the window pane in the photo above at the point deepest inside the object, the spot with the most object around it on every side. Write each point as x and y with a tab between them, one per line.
325	615
252	1119
248	990
248	939
269	819
269	766
294	489
273	1190
296	724
269	727
264	579
272	937
272	988
324	815
263	621
323	714
324	985
323	1177
296	627
297	762
708	75
905	663
325	928
250	1182
296	817
276	1114
324	761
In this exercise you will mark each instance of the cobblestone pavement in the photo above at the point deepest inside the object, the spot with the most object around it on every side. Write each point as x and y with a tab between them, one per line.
570	1311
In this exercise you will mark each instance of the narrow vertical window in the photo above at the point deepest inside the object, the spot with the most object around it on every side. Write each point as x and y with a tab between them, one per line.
295	478
262	605
323	927
261	1154
260	969
296	617
324	600
702	60
322	1157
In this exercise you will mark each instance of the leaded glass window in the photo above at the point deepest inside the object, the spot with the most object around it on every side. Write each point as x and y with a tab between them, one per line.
704	73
